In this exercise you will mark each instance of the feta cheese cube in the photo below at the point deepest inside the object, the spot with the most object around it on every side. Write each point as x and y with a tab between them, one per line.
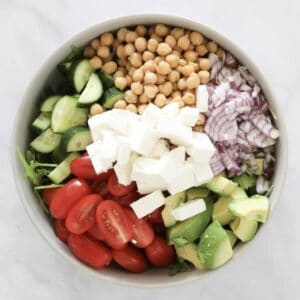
188	210
188	116
170	111
202	98
118	121
202	171
160	148
148	204
151	115
109	146
123	171
124	150
97	123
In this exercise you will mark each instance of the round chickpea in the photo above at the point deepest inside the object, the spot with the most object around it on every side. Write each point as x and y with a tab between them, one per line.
172	60
89	52
149	66
204	64
190	56
147	55
158	38
138	75
171	41
121	51
121	83
212	46
95	44
196	66
107	59
141	108
96	62
189	98
192	81
166	88
129	80
182	62
137	88
143	99
141	30
132	108
201	119
116	43
150	78
152	45
176	94
161	79
177	32
135	59
163	68
220	53
158	59
119	73
174	76
122	62
161	30
131	97
196	38
121	34
129	49
140	44
120	104
181	84
131	36
183	42
201	50
96	109
178	49
131	71
106	39
163	49
110	67
174	85
177	53
160	100
203	76
188	70
150	91
103	52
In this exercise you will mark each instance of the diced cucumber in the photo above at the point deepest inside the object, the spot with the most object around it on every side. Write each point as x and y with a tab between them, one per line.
42	122
111	96
46	142
65	67
80	74
76	139
62	171
49	103
66	115
92	92
58	155
106	79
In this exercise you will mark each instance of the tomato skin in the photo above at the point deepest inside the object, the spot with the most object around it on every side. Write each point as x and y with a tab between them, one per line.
114	224
127	199
143	233
117	189
48	194
159	253
155	217
82	167
95	254
95	233
82	215
61	231
67	196
100	187
130	259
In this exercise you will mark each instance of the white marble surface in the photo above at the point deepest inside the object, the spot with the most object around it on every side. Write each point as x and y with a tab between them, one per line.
269	32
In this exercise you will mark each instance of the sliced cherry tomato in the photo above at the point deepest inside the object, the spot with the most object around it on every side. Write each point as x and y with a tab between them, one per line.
82	215
100	187
94	254
127	199
48	195
155	216
82	167
95	233
60	230
159	229
159	253
114	224
143	233
118	189
67	196
131	259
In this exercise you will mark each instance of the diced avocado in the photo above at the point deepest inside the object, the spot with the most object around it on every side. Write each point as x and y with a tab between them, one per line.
245	181
111	96
238	193
221	185
192	228
255	208
260	166
189	253
214	248
171	202
232	237
244	229
196	193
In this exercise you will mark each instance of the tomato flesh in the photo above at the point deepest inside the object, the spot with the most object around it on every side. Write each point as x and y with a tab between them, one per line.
61	231
100	187
155	217
114	224
117	189
92	253
48	194
82	167
127	199
82	215
95	233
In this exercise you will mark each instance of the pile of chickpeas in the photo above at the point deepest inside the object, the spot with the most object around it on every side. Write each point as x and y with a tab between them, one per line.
156	64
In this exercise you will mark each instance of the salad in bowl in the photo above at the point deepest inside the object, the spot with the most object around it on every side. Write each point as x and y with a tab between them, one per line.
156	148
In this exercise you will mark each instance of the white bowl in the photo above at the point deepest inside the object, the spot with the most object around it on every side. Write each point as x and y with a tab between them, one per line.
24	118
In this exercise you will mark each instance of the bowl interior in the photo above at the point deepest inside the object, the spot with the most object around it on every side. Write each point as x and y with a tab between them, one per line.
47	73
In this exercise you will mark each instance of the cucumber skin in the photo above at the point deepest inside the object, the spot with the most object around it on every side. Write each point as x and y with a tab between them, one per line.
72	74
110	97
56	141
106	79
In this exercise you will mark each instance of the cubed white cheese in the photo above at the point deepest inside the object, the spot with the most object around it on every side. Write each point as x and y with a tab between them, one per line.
94	151
97	123
151	115
118	121
202	149
202	171
188	210
202	98
124	150
123	171
160	148
148	204
109	146
188	116
170	111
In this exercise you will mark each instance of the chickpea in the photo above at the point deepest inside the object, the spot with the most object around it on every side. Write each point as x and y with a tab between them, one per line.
204	64
131	97
121	51
122	62
188	70
201	119
120	83
106	39
150	91
141	30
171	41
156	37
116	43
121	34
149	66
131	36
151	30
132	108
190	56
120	104
158	59
96	62
138	75
183	42
179	69
131	71
110	67
129	80
103	52
198	128
205	41
96	109
107	59
166	88
174	85
176	94
137	88
119	73
163	68
173	60
160	100
95	44
135	59
143	99
174	76
150	78
212	46
203	76
147	55
152	45
89	52
201	50
196	66
161	79
181	84
128	66
192	81
161	30
163	49
177	53
141	108
196	38
182	62
189	98
178	49
140	44
129	49
177	32
220	53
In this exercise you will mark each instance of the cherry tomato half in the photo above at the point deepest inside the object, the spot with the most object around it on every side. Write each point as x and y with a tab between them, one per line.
143	233
94	254
67	196
48	194
114	224
60	230
131	259
118	189
82	167
100	187
159	253
95	233
127	199
82	215
155	216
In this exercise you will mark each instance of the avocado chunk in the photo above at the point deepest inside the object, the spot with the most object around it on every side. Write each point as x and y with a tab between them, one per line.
255	208
232	237
260	166
196	193
171	202
221	185
191	229
189	253
244	229
245	181
214	248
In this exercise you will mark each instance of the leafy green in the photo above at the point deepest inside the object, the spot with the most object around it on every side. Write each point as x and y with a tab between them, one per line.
49	186
179	267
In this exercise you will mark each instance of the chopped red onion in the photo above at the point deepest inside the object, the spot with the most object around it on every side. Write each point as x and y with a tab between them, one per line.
216	163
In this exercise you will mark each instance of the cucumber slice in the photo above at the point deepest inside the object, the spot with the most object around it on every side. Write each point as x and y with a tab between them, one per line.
46	142
111	96
76	139
106	79
58	155
92	92
62	171
80	74
67	115
49	103
42	122
65	67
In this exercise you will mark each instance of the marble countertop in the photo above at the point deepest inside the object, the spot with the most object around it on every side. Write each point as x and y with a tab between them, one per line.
30	30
